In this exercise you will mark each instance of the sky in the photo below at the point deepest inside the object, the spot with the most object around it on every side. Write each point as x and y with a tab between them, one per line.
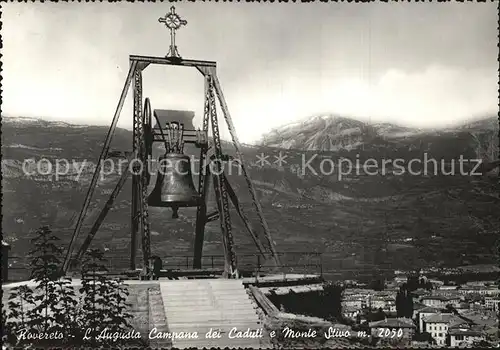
417	64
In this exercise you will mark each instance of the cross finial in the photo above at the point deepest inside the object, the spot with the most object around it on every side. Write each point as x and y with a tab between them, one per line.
173	22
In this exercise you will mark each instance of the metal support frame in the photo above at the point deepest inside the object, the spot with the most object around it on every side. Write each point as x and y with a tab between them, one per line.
201	211
136	179
139	213
230	265
237	146
102	215
102	156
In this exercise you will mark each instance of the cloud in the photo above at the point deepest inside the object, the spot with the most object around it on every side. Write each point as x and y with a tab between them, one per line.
434	97
404	63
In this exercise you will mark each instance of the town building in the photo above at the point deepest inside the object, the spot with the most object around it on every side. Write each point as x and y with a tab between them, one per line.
443	287
440	301
354	302
464	334
480	290
437	326
385	303
351	312
462	307
492	303
423	313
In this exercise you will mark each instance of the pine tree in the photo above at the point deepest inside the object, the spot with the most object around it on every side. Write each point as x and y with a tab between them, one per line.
93	304
20	302
404	303
331	301
409	302
45	271
52	307
104	301
400	303
65	313
115	317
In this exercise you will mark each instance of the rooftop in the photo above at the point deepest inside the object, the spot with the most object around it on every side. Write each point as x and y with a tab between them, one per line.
393	323
429	309
419	306
466	332
440	297
442	318
346	309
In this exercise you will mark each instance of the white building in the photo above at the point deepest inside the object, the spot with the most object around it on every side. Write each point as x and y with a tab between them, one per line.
422	314
350	312
437	325
481	290
440	301
492	303
463	335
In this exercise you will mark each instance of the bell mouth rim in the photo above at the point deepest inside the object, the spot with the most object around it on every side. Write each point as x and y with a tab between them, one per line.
175	205
174	155
195	202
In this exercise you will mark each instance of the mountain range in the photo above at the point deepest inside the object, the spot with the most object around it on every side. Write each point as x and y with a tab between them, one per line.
359	220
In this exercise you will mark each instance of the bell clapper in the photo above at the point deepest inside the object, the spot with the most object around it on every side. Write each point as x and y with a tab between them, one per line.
175	212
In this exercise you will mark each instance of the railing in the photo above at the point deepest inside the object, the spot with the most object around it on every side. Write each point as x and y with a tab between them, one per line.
291	263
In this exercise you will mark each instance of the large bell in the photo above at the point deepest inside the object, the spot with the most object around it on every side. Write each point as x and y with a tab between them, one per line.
174	185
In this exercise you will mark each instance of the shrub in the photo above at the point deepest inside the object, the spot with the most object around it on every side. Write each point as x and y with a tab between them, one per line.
53	307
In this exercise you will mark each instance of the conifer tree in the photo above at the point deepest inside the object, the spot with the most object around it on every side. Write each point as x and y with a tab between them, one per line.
104	301
45	272
49	307
20	302
93	303
65	312
52	306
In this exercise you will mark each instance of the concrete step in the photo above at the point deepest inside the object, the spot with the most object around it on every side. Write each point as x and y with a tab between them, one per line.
158	319
207	286
203	329
201	305
218	343
223	293
204	287
210	306
207	311
223	339
203	291
208	280
212	320
204	282
205	308
206	304
209	318
205	295
193	304
202	296
207	301
176	317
